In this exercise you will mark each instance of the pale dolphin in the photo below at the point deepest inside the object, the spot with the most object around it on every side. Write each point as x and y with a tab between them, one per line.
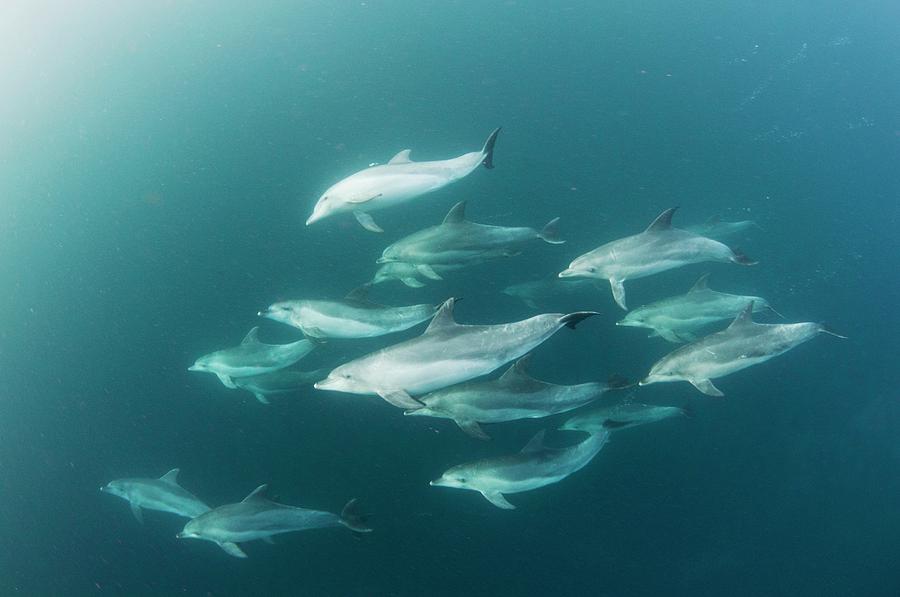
515	395
251	357
278	382
619	416
743	344
446	354
719	230
163	494
657	249
457	241
411	274
535	466
678	318
258	518
353	317
399	180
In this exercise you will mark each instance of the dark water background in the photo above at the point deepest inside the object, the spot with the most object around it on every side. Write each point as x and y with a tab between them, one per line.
157	162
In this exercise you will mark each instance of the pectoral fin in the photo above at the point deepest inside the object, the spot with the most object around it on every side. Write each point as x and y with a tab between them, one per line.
706	386
138	513
233	550
261	397
618	290
669	335
496	498
428	271
268	539
472	428
362	198
313	332
226	381
412	282
366	221
400	399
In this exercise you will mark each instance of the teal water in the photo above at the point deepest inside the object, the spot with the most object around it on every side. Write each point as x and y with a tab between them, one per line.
157	163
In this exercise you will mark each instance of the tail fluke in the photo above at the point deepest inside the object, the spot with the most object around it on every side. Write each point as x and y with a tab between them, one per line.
573	319
488	150
353	519
741	259
550	233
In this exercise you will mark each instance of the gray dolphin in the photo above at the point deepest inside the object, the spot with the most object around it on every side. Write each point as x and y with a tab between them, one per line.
446	354
659	248
535	466
398	181
719	230
458	241
278	382
411	274
353	317
251	357
258	518
743	344
678	318
515	395
619	416
163	494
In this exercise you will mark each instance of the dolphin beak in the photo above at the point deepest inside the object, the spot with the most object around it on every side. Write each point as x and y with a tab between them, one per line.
193	368
323	385
383	259
644	382
263	313
566	273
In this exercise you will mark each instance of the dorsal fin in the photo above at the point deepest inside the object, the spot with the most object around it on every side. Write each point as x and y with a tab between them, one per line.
700	284
535	444
443	318
517	371
457	214
257	494
252	336
745	317
402	157
663	221
360	293
171	476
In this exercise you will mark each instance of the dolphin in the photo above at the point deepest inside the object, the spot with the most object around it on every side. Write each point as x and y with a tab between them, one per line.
657	249
398	181
251	357
535	466
515	395
743	344
458	241
258	518
446	354
677	318
717	229
619	416
534	292
163	494
277	382
352	317
410	274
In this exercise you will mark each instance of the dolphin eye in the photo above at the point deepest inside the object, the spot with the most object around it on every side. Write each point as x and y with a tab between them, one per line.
592	269
461	479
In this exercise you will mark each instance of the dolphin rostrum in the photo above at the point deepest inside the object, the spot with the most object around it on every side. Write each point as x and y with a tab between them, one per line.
678	318
258	518
535	466
446	354
353	317
251	357
458	241
278	382
743	344
515	395
163	494
398	181
659	248
619	416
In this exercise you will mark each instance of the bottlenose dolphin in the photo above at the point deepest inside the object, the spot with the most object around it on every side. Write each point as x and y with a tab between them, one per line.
534	292
278	382
411	274
251	357
163	494
353	317
515	395
535	466
677	318
446	354
619	416
657	249
398	181
719	230
743	344
458	241
258	518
